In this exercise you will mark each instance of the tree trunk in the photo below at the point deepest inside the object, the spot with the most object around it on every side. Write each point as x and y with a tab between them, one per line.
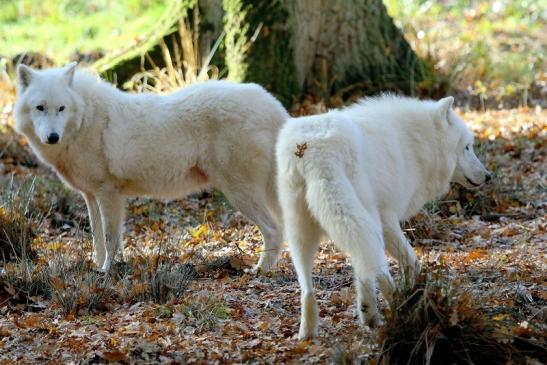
340	43
321	47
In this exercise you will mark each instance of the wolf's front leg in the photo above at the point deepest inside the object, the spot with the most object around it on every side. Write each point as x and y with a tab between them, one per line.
399	248
111	206
99	250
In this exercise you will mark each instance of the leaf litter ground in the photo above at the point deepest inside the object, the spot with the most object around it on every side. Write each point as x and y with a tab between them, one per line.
491	242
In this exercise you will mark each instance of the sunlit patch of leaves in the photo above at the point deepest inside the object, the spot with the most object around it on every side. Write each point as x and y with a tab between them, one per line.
500	38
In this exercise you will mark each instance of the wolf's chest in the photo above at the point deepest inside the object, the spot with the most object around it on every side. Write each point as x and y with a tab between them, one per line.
66	174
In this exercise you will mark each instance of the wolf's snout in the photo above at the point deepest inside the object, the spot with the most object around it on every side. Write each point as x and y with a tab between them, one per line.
488	177
53	138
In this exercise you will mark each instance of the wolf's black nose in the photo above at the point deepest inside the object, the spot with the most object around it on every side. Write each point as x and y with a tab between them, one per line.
53	138
488	177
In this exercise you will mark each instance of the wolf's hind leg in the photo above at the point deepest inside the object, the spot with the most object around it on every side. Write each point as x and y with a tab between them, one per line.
99	249
254	206
271	249
357	231
111	206
371	268
303	235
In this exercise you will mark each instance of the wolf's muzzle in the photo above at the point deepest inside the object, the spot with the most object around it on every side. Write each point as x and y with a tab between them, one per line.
53	138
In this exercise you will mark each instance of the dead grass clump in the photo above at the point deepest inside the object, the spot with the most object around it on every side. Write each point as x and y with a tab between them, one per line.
170	281
437	322
16	235
146	279
54	201
78	289
23	282
341	356
16	228
184	62
490	202
426	227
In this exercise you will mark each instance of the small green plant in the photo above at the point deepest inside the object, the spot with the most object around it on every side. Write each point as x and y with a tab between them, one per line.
205	312
89	320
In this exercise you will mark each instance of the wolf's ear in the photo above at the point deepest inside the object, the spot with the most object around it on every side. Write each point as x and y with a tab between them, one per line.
68	73
25	75
444	105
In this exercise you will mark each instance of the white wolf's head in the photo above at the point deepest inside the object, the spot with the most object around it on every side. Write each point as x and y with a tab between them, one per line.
47	106
469	171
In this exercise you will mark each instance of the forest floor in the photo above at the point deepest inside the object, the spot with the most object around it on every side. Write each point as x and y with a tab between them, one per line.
186	294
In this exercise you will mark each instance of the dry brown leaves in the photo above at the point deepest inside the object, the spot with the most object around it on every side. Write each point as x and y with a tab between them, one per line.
229	315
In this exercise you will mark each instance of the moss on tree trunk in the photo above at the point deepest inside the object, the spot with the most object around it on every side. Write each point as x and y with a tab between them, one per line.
258	46
291	47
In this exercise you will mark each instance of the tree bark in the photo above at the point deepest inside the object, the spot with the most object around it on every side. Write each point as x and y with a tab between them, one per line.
318	47
358	42
324	47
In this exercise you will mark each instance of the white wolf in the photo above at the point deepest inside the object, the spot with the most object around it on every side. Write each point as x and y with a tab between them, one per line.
108	145
355	173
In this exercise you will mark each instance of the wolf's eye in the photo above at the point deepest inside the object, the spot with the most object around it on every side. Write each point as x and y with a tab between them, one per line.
62	108
467	148
40	108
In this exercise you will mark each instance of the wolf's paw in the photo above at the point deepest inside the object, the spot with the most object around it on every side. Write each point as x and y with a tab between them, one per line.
307	331
106	266
375	321
265	265
99	259
100	273
370	319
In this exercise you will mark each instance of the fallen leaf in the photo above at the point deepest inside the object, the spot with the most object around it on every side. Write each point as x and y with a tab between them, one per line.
114	356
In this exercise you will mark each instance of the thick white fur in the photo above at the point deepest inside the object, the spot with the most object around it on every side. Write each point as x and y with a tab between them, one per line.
114	144
362	170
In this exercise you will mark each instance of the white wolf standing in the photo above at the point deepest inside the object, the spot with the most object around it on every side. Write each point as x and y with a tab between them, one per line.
108	144
355	173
